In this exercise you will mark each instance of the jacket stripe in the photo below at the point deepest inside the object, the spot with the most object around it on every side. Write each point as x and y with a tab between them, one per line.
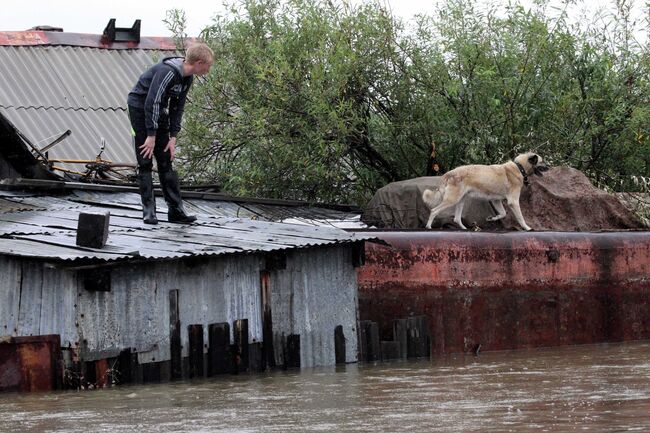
156	103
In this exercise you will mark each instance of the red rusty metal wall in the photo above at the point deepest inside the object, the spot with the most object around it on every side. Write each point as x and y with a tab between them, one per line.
510	290
30	363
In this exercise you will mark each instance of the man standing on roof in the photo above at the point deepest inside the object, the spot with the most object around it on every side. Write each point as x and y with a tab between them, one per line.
155	109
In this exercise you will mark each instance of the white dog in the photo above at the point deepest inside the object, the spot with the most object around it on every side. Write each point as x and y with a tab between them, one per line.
491	182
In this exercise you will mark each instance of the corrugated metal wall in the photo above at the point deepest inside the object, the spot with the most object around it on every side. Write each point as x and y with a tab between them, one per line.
314	294
37	300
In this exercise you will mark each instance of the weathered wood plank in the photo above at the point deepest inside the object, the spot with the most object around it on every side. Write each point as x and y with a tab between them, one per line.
219	356
175	336
195	338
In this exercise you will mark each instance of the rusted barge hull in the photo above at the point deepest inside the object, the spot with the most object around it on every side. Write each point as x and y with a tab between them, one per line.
510	290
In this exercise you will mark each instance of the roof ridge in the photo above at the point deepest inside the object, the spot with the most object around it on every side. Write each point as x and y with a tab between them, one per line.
52	107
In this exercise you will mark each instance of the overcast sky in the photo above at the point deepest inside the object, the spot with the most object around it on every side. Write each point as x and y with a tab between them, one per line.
84	16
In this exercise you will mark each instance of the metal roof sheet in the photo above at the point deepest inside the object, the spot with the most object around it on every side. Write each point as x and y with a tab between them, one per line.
42	126
48	90
78	78
48	230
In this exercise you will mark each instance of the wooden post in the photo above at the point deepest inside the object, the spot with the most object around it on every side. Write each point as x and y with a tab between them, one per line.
195	334
390	350
101	373
400	336
369	341
175	336
129	369
219	357
417	337
339	345
362	346
255	361
268	353
292	351
151	372
240	329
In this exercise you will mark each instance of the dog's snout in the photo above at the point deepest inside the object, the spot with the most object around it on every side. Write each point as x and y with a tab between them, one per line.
540	169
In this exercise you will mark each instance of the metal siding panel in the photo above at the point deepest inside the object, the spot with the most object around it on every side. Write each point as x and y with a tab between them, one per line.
31	298
10	277
316	293
135	313
130	315
224	290
201	297
242	289
58	312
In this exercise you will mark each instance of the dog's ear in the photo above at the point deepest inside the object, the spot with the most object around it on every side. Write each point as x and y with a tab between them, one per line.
533	159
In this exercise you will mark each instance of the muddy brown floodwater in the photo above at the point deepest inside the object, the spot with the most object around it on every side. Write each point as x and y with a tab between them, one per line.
594	388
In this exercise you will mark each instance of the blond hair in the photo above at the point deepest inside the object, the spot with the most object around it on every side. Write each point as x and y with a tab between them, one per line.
197	52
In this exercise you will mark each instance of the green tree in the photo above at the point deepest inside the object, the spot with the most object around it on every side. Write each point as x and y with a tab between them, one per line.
320	101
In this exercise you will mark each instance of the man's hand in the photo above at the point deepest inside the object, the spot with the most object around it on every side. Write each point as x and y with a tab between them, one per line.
171	146
146	150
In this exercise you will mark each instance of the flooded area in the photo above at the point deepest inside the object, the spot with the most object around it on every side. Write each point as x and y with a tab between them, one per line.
596	388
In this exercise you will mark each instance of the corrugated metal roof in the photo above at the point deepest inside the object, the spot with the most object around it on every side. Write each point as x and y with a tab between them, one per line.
48	90
48	229
43	37
42	126
79	78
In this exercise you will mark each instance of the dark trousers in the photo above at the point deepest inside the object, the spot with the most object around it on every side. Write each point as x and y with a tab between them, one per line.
163	159
168	179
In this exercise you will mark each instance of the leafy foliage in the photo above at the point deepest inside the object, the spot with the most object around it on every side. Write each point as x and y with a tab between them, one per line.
327	102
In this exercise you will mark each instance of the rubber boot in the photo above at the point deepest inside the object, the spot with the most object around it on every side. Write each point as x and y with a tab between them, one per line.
172	193
145	183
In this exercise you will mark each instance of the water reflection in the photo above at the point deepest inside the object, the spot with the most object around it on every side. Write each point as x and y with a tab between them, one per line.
585	388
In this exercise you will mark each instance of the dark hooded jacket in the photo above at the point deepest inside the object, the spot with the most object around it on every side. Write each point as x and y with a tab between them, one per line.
161	92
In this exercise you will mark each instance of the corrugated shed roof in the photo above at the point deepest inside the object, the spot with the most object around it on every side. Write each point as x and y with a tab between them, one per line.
44	226
50	89
88	128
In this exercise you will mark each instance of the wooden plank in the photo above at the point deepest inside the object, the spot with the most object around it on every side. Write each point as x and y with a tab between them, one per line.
175	336
165	371
417	337
219	356
195	338
101	373
390	350
362	346
151	372
240	334
292	351
255	358
339	345
268	352
369	341
400	336
127	367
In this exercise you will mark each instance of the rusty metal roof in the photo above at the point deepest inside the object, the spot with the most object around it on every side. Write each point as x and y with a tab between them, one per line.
54	82
44	38
43	226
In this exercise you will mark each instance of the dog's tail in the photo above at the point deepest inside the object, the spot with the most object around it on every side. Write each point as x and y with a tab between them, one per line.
431	197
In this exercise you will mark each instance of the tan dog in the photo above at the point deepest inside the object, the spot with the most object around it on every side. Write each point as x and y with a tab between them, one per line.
491	182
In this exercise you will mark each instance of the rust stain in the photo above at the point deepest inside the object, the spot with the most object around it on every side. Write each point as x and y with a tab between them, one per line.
510	290
30	363
39	37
